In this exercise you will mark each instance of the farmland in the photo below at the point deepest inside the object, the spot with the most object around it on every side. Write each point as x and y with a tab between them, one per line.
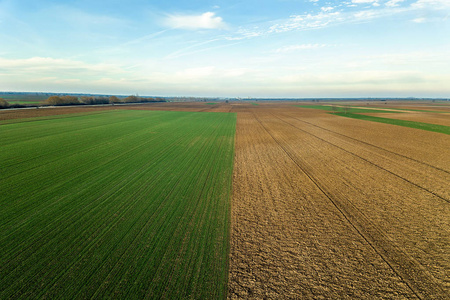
116	204
329	207
323	206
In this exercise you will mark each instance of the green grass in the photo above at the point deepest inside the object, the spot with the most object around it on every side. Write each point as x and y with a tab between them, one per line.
411	124
418	110
211	103
253	103
342	109
123	204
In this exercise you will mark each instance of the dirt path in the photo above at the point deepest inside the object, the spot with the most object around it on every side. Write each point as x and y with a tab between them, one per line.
319	213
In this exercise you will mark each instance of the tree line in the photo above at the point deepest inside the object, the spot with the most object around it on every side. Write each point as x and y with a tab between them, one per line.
3	103
93	100
83	100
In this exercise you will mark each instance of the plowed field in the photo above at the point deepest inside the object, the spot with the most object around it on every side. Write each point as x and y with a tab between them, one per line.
329	207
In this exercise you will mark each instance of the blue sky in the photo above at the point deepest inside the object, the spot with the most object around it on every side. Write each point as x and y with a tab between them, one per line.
285	48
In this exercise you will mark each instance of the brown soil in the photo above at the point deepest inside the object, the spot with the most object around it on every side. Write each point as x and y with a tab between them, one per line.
8	114
326	207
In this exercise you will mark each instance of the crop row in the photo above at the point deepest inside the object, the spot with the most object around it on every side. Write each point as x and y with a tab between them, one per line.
116	204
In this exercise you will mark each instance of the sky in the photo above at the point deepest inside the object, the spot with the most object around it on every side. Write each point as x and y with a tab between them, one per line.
254	48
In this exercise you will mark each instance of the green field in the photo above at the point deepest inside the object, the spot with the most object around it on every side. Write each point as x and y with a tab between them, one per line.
419	110
121	204
404	123
348	109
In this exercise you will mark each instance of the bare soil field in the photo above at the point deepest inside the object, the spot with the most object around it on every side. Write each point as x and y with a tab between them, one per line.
9	114
328	207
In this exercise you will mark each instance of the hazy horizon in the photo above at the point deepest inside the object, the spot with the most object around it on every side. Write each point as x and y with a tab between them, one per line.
276	49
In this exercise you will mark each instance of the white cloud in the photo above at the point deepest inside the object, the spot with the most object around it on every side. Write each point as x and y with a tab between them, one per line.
436	4
309	21
419	20
364	1
327	8
393	3
207	20
373	2
366	14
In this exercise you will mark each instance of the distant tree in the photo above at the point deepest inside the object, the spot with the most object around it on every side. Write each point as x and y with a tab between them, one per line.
63	100
87	100
68	100
101	100
53	100
334	108
131	99
3	103
114	99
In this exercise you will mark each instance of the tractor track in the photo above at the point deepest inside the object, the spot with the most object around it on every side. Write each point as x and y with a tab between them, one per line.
366	160
371	145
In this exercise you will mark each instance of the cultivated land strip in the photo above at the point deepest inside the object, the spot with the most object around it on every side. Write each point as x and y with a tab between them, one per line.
436	183
386	151
416	276
289	240
123	204
402	223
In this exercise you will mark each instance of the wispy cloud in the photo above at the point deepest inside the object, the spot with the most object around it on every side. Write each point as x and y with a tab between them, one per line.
308	21
194	47
47	66
207	20
80	18
394	3
419	20
365	1
146	38
329	16
326	8
292	48
434	4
